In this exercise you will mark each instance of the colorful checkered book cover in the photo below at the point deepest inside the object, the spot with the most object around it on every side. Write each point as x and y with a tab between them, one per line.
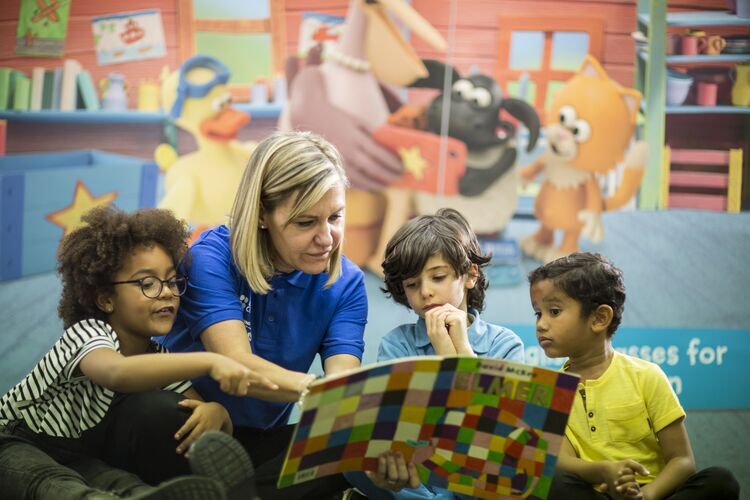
482	427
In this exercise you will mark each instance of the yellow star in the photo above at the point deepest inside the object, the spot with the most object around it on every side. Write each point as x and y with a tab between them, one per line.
413	161
69	218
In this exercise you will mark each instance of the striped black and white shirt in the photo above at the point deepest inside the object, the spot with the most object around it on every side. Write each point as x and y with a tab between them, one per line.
56	400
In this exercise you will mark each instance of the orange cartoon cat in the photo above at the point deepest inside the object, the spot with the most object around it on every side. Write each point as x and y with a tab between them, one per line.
589	127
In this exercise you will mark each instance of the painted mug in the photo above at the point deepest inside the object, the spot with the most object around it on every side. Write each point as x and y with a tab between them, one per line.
707	94
714	45
693	45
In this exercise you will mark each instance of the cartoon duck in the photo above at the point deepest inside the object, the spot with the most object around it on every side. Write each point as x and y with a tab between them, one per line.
200	186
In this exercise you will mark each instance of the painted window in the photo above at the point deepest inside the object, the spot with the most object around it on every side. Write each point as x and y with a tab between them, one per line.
536	56
247	36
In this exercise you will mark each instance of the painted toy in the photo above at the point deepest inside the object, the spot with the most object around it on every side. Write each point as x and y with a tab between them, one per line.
200	186
486	190
589	127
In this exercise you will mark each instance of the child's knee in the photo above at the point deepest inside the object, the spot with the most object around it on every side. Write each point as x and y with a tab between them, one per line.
157	411
720	483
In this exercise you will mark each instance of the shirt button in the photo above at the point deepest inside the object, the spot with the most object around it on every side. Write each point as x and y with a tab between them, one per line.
593	428
271	318
591	414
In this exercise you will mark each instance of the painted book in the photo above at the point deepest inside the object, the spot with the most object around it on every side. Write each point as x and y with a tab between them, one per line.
480	427
421	154
6	102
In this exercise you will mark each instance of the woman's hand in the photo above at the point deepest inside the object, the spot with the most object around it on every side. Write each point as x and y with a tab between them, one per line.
394	473
205	417
235	378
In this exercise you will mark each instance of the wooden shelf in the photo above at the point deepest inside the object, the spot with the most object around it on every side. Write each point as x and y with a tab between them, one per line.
82	116
704	18
652	63
130	116
703	110
701	58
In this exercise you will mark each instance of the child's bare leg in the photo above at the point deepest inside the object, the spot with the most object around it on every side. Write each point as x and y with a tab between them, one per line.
568	245
536	245
397	211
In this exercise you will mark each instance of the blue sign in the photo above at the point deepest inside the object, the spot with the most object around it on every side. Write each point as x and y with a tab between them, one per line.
707	368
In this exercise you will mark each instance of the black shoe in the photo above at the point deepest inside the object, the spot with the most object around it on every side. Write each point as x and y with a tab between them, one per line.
185	488
221	457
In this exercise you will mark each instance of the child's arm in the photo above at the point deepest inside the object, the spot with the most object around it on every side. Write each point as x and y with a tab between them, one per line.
679	463
143	372
529	172
603	473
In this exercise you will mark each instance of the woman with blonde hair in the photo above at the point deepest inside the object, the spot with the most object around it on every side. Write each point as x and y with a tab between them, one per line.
271	290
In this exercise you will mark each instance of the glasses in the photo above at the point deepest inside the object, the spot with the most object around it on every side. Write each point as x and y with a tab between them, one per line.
151	286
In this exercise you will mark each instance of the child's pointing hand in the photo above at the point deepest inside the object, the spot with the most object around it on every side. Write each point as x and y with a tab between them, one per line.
235	378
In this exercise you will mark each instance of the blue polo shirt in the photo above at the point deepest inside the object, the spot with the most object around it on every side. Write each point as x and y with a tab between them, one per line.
288	326
486	340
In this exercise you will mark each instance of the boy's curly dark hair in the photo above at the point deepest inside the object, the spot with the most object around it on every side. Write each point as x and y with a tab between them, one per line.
588	278
447	233
90	256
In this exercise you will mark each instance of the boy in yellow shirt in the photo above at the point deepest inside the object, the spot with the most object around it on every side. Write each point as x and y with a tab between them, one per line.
626	435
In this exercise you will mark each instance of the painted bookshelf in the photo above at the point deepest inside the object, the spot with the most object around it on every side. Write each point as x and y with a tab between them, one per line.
651	65
130	116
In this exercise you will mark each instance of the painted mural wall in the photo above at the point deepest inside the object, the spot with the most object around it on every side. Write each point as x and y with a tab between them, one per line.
520	66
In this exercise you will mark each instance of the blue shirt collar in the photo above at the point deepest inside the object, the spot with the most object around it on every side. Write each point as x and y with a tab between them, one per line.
295	278
478	338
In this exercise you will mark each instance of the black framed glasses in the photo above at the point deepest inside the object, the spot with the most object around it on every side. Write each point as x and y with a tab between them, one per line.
151	286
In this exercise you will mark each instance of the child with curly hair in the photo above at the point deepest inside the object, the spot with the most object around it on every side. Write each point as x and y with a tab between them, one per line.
626	434
105	390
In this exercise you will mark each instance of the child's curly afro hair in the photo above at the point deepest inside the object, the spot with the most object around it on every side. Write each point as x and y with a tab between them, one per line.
90	256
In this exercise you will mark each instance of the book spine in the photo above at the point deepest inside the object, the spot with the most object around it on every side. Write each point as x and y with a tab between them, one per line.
88	91
5	89
37	89
21	92
57	88
3	136
69	92
48	87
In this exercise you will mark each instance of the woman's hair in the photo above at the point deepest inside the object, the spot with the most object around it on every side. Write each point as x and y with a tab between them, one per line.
448	234
588	278
90	256
286	165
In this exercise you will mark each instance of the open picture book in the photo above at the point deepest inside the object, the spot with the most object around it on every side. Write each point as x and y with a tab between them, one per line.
481	427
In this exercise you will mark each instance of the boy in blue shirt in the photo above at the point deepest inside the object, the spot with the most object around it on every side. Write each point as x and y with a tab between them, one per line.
434	266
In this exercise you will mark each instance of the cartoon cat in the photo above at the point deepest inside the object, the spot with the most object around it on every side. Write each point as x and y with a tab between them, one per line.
589	127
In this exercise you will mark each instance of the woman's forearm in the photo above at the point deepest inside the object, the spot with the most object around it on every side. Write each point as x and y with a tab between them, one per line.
291	383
